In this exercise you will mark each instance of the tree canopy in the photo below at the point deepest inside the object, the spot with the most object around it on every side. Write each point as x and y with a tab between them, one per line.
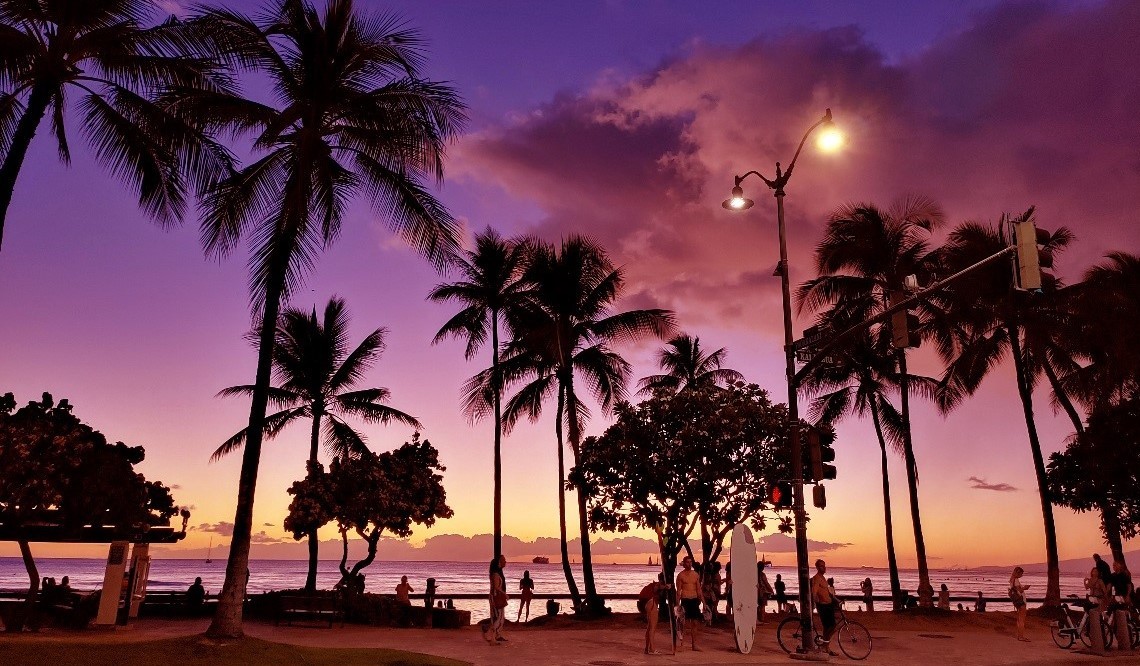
371	494
707	454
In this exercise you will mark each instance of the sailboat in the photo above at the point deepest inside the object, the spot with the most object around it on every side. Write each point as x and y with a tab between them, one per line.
210	552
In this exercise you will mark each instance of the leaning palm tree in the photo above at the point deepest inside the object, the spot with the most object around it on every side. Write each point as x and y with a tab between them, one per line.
565	330
315	372
349	115
490	287
113	63
857	382
686	364
863	263
985	320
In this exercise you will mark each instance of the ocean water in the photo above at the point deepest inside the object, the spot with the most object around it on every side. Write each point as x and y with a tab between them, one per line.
471	578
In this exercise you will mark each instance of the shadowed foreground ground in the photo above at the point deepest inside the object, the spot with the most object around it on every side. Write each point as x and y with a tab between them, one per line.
931	639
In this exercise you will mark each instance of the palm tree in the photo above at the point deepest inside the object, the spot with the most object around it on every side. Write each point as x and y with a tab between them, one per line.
103	54
863	263
489	288
983	320
565	330
314	371
350	116
685	364
857	382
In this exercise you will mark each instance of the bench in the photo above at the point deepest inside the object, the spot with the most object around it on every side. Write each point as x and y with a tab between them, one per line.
317	607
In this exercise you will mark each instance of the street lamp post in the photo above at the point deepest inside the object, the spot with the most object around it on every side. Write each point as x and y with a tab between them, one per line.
739	202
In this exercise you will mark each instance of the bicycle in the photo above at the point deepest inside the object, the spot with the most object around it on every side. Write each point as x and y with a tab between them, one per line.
853	638
1133	627
1065	633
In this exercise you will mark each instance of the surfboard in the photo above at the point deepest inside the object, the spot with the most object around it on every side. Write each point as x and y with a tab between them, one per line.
742	554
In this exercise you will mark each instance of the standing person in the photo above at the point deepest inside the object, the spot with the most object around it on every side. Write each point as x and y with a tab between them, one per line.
1017	596
781	594
980	604
824	601
1121	582
497	599
1097	590
763	590
728	589
402	592
944	597
868	590
712	582
648	602
526	587
1102	568
689	591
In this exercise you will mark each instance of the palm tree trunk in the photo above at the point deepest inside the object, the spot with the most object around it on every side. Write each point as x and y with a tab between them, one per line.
227	622
314	541
925	589
593	601
575	597
1110	525
1062	396
38	101
1053	586
892	562
497	389
29	618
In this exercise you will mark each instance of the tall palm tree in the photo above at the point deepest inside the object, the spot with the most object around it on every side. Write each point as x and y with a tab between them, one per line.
863	262
983	321
315	372
114	65
686	364
349	116
857	382
489	288
566	330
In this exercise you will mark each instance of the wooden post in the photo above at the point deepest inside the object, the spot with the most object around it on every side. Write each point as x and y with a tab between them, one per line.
1120	620
1096	631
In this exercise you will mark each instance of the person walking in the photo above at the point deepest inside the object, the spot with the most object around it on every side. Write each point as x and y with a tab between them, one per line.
691	596
1017	596
824	600
763	590
781	594
497	598
868	590
648	602
526	588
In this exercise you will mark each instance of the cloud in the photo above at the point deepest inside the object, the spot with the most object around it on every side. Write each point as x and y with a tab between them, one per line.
269	525
782	543
222	527
172	7
1031	104
981	484
263	537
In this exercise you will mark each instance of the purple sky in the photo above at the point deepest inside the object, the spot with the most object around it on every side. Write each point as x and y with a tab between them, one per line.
625	121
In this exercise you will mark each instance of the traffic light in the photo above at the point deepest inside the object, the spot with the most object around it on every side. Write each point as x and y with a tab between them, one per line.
819	497
1031	258
819	447
780	495
904	325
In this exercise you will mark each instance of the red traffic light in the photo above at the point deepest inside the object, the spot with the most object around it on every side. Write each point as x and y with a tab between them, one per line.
780	495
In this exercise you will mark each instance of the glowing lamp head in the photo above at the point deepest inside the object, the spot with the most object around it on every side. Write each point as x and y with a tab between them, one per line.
830	139
737	201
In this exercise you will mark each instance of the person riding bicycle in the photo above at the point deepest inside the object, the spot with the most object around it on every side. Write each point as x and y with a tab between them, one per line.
825	604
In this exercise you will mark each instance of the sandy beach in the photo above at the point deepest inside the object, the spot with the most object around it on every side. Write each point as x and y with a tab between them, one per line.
954	638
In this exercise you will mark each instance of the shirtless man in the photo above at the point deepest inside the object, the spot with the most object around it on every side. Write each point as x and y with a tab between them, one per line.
824	603
689	591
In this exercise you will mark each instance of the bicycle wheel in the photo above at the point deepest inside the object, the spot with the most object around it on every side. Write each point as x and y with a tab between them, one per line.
789	635
1062	636
1105	631
854	640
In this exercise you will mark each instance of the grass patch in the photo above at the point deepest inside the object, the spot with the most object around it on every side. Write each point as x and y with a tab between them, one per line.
197	650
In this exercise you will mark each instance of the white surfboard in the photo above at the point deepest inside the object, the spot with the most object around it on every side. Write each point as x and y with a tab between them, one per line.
742	554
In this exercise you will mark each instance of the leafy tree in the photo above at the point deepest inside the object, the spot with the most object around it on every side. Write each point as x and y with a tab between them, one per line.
707	455
103	55
863	261
489	289
686	364
1100	471
983	320
371	494
565	330
314	371
57	470
350	115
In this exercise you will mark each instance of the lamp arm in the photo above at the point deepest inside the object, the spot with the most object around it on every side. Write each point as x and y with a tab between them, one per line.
741	177
825	119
